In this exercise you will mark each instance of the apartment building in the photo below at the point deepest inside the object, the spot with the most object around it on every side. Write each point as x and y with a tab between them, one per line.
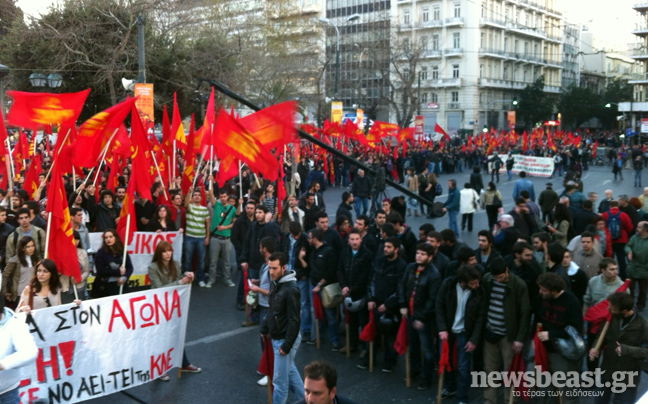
476	56
638	108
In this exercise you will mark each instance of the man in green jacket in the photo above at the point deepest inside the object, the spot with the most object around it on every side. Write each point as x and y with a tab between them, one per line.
637	250
507	320
624	350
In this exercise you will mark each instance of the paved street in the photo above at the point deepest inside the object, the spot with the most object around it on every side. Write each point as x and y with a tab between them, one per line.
229	354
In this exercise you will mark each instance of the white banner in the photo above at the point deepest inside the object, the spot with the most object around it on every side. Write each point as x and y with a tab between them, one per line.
532	165
141	250
105	345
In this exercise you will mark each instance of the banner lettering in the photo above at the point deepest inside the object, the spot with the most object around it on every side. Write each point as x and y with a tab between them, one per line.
532	165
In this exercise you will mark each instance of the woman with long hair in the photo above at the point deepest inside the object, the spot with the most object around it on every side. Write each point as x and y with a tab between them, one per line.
67	293
165	271
44	288
492	200
108	262
161	220
430	191
562	222
19	270
342	227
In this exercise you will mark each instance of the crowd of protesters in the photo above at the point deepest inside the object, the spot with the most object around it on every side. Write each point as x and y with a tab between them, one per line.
546	261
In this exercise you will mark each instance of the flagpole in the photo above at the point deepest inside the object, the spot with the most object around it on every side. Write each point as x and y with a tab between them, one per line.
104	151
173	172
211	159
197	172
73	178
128	217
11	163
57	153
159	175
240	180
78	191
599	342
48	234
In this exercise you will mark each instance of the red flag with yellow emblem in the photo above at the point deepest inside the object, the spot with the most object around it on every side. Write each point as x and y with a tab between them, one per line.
143	167
97	131
35	110
31	178
60	241
128	208
230	137
273	126
190	160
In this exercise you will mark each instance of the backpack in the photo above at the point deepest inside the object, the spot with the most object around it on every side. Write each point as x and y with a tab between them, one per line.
437	189
613	223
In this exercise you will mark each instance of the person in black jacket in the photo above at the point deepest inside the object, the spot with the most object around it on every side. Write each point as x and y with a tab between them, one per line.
354	270
361	189
476	181
5	231
460	318
522	264
331	237
322	264
440	260
407	238
345	206
281	325
239	231
382	295
417	290
320	381
291	244
554	258
465	256
106	212
485	253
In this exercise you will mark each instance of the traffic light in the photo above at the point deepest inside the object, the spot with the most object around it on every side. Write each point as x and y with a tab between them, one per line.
515	102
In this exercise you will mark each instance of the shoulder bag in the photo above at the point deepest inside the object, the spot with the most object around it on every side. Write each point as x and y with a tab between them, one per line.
331	295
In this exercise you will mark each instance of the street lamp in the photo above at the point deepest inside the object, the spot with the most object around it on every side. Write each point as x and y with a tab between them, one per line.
337	46
4	71
40	80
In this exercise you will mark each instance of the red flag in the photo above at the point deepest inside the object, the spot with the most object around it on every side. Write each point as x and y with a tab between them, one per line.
541	358
227	169
167	142
517	368
207	127
96	131
143	167
594	149
445	137
406	133
190	160
444	359
128	208
3	136
177	130
369	331
599	313
60	246
20	151
273	126
400	345
114	174
31	178
35	110
266	364
3	171
246	286
232	138
317	307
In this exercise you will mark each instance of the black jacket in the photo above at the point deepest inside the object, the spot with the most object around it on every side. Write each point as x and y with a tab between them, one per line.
446	308
426	291
322	264
361	187
453	266
408	241
582	219
105	216
354	272
528	273
282	321
238	233
493	254
251	253
345	210
383	282
302	242
5	231
476	182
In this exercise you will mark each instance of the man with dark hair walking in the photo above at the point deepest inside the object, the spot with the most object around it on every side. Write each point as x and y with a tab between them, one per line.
320	385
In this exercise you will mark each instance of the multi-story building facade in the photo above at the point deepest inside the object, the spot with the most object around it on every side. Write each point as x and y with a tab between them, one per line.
571	47
476	56
638	108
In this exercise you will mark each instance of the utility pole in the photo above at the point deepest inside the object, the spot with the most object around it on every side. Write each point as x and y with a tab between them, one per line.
419	94
141	63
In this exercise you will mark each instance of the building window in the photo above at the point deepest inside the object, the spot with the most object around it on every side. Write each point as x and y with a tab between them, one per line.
426	14
424	97
455	71
424	73
434	97
506	44
437	13
435	72
482	39
483	11
406	44
454	96
526	48
525	74
456	40
457	10
507	13
435	42
424	43
406	17
481	71
505	73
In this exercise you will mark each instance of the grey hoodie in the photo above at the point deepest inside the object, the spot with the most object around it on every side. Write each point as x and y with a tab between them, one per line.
17	348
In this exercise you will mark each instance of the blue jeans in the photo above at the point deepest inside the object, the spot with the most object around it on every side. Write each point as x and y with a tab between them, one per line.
305	297
190	245
285	376
459	166
452	221
459	380
11	397
331	320
637	178
361	202
421	339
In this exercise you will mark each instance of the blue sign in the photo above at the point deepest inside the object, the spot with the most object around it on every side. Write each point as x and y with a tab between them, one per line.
629	132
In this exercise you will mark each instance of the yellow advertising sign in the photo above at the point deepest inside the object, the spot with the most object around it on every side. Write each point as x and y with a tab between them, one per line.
336	112
144	103
359	118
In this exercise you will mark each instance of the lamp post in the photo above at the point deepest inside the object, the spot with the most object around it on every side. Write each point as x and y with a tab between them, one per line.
337	46
52	80
4	71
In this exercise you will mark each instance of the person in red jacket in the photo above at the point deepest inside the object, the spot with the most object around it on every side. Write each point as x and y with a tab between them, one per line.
603	236
625	228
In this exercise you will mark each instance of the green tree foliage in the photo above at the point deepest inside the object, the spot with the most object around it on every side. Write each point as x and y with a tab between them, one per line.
534	104
577	105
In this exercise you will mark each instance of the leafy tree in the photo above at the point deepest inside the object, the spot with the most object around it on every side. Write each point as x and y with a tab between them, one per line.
577	105
534	104
617	90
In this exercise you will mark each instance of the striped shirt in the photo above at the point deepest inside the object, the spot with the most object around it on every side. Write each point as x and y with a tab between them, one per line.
196	215
495	320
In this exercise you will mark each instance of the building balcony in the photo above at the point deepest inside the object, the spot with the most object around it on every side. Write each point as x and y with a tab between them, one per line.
430	54
454	22
492	23
493	53
639	54
453	105
535	33
430	24
641	7
641	29
639	79
404	1
277	13
504	84
443	83
453	52
552	89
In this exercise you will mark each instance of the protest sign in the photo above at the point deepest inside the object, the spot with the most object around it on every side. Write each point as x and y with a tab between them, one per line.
105	345
532	165
141	250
